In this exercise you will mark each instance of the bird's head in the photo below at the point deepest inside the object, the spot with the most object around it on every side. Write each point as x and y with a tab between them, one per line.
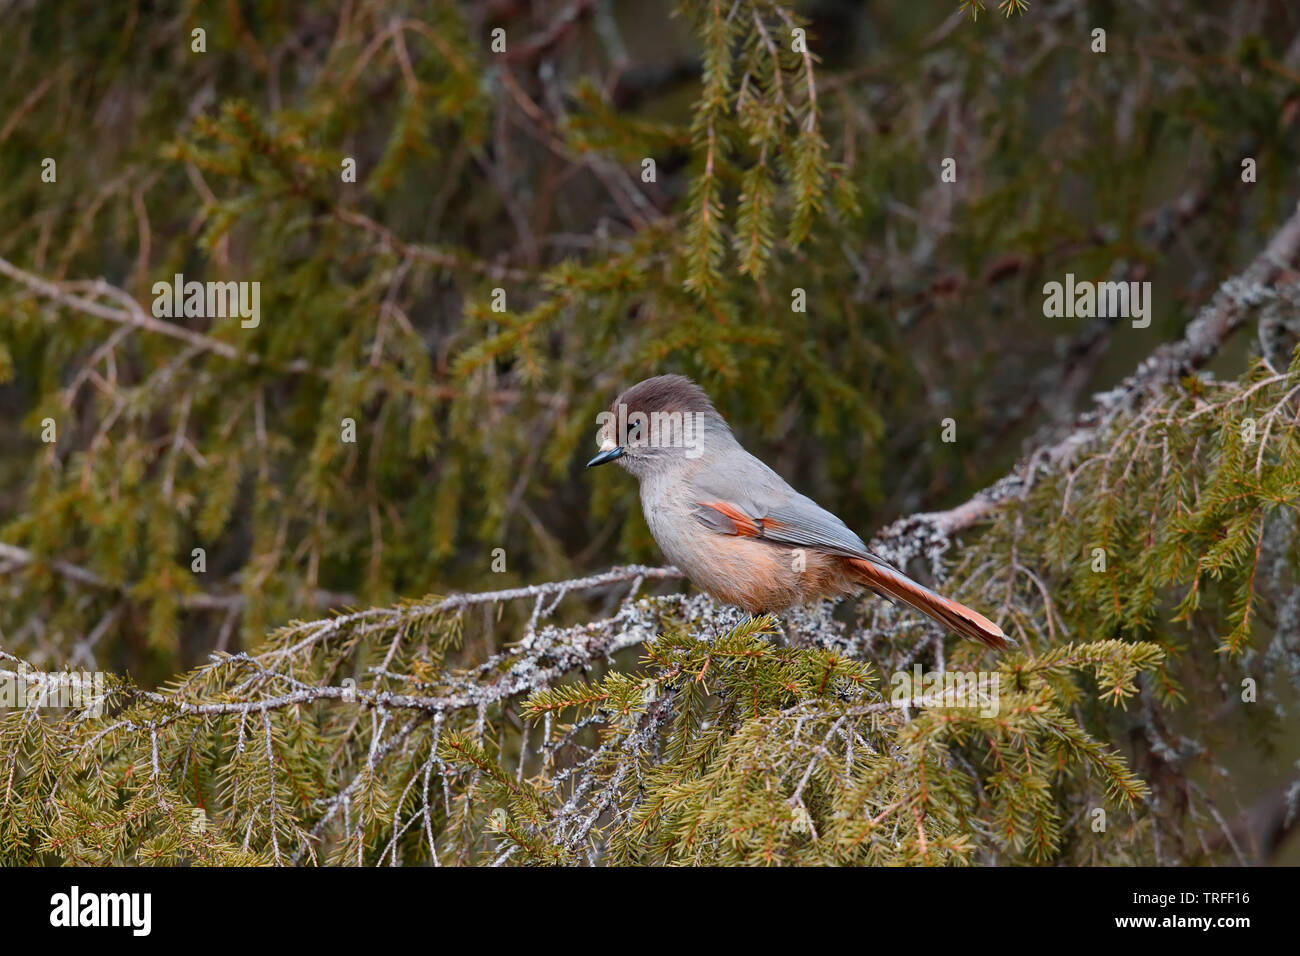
662	422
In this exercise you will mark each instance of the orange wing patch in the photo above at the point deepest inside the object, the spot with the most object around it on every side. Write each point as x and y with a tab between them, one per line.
745	525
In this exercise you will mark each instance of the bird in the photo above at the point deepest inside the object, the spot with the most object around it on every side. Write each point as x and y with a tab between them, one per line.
734	527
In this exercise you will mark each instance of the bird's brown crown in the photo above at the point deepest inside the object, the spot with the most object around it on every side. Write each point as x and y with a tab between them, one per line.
664	393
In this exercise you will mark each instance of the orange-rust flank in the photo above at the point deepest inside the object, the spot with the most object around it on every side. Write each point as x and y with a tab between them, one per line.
745	525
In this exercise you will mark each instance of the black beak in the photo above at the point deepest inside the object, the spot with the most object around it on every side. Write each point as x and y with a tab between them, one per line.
607	456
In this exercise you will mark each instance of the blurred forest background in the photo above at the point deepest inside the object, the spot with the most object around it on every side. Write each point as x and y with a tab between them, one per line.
627	189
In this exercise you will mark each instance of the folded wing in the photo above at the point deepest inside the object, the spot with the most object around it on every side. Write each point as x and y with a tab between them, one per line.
801	522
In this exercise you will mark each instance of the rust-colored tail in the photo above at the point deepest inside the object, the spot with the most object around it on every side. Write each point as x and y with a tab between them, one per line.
947	612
